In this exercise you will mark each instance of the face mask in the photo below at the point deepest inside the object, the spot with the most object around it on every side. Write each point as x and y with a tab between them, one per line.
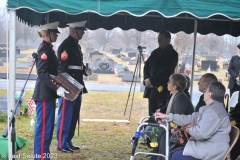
238	83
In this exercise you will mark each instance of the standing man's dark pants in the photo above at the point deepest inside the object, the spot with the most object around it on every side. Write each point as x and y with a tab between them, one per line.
154	104
75	118
234	89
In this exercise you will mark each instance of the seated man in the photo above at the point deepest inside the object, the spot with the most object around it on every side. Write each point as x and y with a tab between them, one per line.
203	84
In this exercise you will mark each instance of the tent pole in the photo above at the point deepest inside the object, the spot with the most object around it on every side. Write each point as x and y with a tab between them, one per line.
193	56
47	18
12	72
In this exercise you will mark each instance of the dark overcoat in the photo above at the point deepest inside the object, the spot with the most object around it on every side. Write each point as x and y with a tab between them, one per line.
233	70
158	68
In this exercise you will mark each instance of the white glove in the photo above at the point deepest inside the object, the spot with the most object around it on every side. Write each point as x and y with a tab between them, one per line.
88	71
61	92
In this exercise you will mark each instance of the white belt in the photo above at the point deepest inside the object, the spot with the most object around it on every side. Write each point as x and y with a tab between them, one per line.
75	67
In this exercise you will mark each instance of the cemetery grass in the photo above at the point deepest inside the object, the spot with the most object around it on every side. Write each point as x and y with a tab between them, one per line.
98	140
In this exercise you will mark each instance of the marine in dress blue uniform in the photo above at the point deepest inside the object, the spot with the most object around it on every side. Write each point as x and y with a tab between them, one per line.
71	61
45	91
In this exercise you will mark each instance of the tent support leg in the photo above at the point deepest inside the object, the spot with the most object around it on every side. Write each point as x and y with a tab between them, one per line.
12	71
193	56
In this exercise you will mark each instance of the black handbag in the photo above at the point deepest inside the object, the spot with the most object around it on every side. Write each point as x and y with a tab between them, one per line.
179	138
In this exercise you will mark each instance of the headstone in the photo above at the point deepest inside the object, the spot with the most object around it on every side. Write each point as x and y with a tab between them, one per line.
121	73
118	68
126	59
132	54
130	78
116	51
207	63
213	58
103	65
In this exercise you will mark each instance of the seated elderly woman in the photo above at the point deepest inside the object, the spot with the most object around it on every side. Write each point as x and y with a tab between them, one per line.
179	103
211	133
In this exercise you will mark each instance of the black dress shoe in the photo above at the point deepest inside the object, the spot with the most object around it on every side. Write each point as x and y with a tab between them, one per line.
68	150
74	147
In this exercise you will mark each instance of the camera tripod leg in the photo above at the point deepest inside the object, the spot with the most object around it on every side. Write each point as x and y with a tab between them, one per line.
131	87
137	71
133	96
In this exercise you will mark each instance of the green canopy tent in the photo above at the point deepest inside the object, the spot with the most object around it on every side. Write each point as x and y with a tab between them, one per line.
214	16
191	16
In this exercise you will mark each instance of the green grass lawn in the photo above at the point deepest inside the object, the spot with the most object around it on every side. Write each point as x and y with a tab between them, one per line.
98	140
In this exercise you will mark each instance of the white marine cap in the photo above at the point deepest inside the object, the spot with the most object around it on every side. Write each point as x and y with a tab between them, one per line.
78	25
51	27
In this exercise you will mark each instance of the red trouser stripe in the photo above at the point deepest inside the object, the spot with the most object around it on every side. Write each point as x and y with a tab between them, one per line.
43	127
62	121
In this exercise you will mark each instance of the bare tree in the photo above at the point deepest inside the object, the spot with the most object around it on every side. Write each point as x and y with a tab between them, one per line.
102	37
212	42
3	13
137	37
125	37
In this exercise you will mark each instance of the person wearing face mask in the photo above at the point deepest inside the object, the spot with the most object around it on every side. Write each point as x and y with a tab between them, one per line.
210	134
157	70
46	90
233	70
70	58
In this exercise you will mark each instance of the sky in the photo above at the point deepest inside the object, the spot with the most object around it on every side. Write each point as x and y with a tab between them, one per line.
3	3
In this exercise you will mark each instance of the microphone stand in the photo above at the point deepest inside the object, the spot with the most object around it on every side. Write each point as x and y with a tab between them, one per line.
12	118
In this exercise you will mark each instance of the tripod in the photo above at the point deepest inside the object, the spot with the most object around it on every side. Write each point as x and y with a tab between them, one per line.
12	118
137	71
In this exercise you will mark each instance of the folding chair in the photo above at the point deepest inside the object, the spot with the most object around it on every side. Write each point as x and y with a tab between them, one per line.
234	99
234	134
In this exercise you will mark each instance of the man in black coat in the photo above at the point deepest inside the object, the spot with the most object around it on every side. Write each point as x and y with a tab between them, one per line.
157	70
233	70
203	84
